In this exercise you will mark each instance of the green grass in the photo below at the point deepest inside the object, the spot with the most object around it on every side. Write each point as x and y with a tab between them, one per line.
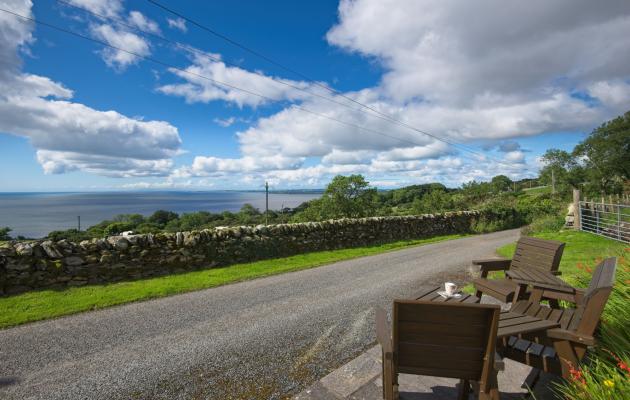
538	189
44	304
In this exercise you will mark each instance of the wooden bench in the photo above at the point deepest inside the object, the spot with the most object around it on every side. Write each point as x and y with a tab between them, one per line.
531	254
559	349
444	339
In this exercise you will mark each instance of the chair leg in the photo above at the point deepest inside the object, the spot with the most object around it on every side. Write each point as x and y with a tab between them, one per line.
464	389
389	378
568	358
489	391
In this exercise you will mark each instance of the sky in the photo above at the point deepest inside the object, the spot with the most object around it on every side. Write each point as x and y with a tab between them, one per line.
129	96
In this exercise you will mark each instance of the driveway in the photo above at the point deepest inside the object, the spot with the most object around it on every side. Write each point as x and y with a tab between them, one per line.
266	338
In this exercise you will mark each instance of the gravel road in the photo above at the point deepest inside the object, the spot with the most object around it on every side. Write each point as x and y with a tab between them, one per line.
262	339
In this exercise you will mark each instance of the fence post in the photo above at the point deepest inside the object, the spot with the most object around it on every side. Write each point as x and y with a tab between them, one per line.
577	213
618	221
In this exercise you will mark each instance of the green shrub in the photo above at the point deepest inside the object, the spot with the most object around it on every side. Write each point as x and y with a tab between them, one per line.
549	223
73	235
117	228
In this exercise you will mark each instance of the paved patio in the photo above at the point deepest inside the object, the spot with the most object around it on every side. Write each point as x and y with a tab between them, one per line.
360	379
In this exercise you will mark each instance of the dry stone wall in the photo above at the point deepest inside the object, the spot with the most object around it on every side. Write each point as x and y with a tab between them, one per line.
41	264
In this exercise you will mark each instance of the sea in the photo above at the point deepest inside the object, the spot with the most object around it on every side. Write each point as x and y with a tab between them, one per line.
34	215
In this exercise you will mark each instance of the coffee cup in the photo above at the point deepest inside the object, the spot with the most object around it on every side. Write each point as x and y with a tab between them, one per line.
450	288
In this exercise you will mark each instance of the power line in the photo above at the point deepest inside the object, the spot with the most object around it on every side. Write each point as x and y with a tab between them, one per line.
171	66
315	82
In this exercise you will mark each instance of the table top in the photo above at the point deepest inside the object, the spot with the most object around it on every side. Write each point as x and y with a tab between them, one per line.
538	278
510	323
430	293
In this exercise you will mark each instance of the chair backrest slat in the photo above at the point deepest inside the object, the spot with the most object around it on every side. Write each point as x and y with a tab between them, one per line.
444	339
537	253
594	301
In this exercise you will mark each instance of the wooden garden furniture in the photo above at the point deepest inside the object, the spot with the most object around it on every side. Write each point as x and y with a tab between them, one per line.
532	256
560	347
440	338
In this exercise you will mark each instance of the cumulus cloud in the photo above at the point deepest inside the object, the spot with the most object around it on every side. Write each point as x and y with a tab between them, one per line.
466	53
108	8
177	23
139	20
116	34
124	40
70	136
509	72
201	84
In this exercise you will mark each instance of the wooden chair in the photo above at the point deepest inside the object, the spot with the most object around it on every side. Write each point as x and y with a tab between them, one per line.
453	340
530	253
560	349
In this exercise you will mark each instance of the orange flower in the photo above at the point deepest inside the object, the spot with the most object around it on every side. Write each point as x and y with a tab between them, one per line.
589	269
580	265
627	249
627	282
620	363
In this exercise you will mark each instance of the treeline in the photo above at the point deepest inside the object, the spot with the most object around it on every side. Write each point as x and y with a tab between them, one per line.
598	166
345	197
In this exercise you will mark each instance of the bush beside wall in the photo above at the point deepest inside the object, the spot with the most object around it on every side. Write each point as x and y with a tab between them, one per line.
41	264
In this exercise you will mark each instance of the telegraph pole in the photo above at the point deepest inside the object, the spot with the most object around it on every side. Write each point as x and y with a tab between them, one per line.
266	202
79	222
553	181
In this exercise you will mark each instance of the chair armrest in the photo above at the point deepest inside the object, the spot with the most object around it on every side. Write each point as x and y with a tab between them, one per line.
383	331
571	336
492	264
574	297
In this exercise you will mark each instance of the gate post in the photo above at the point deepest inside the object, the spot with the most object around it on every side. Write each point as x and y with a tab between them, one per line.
577	213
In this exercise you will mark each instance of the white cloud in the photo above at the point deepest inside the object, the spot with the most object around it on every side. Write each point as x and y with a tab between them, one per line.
515	157
462	52
108	8
71	136
200	88
128	41
140	21
225	122
177	23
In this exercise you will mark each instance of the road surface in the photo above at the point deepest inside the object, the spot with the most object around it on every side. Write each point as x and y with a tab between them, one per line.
262	339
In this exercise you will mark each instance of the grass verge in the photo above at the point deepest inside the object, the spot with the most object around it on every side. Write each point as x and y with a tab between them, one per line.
607	374
45	304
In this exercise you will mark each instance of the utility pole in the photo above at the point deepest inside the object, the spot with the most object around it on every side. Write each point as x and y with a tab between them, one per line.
79	222
553	182
266	202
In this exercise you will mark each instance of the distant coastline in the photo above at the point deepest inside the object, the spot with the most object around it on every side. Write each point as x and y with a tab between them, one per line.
35	214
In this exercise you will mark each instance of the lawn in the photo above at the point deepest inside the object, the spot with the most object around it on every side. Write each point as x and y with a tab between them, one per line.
44	304
607	375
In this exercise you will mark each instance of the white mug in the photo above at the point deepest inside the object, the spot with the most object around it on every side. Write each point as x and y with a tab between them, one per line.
450	288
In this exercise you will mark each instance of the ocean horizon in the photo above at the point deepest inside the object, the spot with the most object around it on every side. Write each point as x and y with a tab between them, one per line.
35	214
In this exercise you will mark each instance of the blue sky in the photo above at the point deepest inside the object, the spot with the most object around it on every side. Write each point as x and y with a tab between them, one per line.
75	115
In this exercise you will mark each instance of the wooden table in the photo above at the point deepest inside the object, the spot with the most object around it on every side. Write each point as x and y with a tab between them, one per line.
509	323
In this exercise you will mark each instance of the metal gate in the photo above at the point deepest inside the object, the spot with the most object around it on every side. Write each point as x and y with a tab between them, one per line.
609	220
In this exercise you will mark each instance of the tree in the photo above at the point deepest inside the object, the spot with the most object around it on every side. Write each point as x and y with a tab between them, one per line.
561	170
349	197
4	233
162	217
344	197
606	154
501	183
